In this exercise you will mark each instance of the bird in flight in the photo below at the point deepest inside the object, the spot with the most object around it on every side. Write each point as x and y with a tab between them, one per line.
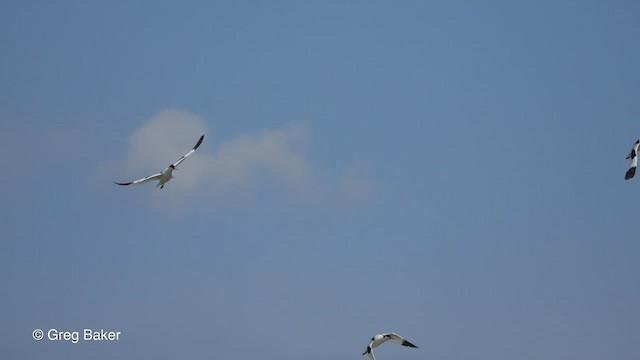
380	338
167	174
633	155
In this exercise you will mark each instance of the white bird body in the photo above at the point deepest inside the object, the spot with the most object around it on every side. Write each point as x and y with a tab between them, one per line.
166	175
381	338
633	156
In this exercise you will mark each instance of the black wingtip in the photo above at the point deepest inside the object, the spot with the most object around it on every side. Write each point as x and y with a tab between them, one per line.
630	173
199	142
117	183
406	343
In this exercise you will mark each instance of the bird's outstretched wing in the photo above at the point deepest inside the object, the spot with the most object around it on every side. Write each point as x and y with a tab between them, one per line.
370	354
633	150
141	181
399	340
190	152
369	351
633	163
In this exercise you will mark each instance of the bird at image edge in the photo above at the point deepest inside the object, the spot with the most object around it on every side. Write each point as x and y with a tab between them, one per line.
381	338
633	156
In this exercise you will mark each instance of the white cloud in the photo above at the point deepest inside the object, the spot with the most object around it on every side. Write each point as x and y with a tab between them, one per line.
237	165
162	140
269	155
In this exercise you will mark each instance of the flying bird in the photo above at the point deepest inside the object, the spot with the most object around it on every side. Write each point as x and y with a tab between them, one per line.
380	338
633	155
167	174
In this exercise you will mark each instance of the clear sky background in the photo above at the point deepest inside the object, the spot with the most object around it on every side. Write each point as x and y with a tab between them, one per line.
452	171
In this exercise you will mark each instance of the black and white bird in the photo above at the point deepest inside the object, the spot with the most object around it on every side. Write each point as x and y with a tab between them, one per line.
633	155
167	174
380	338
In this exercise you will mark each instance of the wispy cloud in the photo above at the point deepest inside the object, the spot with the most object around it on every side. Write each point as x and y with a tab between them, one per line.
225	167
270	155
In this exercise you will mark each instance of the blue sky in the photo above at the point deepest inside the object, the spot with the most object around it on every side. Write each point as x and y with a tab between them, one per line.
449	170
